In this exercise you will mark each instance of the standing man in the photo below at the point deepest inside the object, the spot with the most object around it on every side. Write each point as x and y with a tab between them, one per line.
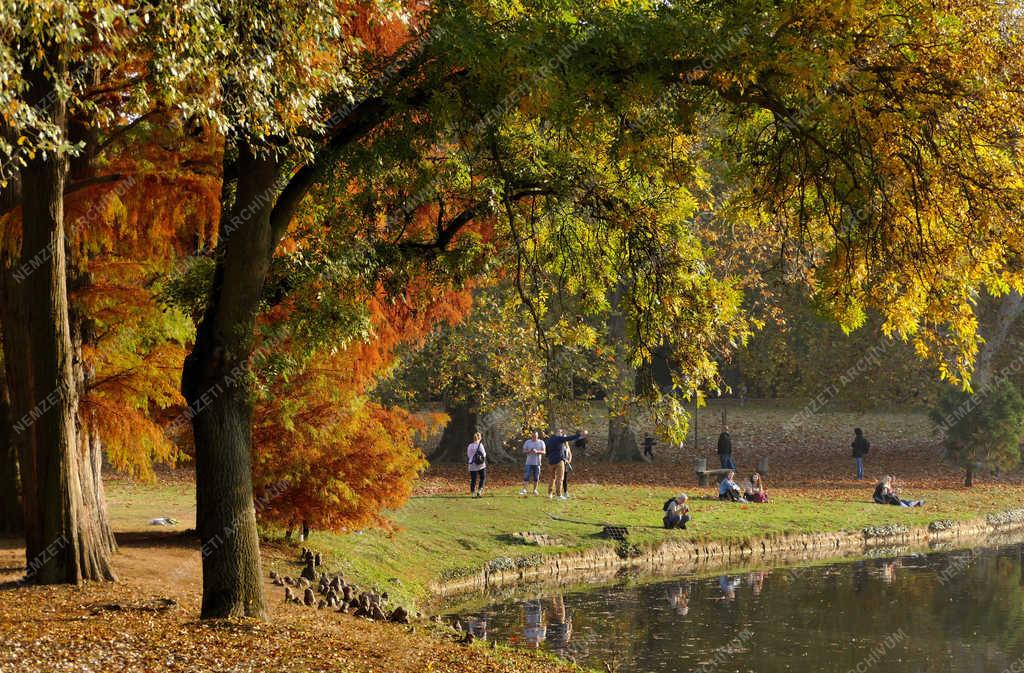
860	446
725	449
556	459
533	448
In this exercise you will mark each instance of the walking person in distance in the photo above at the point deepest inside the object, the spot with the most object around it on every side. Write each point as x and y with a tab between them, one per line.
477	458
860	446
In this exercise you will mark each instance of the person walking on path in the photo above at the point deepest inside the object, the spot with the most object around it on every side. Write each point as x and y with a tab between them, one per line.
556	451
533	448
725	449
860	446
477	458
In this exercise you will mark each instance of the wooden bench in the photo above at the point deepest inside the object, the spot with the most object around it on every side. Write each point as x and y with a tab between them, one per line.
718	474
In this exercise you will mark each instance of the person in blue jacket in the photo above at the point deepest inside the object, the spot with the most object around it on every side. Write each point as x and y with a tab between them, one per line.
557	454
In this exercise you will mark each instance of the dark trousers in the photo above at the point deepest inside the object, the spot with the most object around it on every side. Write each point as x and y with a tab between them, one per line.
726	460
675	521
473	476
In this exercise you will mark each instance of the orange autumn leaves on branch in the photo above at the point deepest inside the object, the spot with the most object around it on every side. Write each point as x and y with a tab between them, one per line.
324	453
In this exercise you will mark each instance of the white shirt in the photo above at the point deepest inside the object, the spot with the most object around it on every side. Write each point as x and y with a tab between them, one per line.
471	451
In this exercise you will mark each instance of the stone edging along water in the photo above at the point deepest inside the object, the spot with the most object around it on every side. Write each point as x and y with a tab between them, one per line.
683	556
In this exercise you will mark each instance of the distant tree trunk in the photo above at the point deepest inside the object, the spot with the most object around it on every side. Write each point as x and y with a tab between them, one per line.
11	515
622	440
969	476
465	420
62	543
1010	307
214	385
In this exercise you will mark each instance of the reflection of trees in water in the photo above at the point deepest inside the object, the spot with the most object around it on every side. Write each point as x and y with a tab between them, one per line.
828	619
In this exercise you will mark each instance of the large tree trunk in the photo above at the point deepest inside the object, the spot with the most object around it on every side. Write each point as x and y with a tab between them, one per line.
465	419
62	543
89	441
214	385
1009	308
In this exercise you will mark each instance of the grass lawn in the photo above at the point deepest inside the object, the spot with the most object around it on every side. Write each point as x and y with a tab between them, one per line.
444	535
132	505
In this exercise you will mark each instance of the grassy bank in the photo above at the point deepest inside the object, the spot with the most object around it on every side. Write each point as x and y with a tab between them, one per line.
446	536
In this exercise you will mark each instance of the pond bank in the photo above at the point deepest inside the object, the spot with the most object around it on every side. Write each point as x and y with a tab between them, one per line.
686	556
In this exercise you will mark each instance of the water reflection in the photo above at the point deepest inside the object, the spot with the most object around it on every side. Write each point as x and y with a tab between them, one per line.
951	612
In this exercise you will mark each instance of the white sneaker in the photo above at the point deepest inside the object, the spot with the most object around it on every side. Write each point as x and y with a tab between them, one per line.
522	492
550	496
563	497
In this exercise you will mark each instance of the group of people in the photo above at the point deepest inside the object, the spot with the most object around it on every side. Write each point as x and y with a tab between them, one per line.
556	448
753	491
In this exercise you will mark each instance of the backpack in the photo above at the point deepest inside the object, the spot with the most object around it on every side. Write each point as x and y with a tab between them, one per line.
478	455
668	503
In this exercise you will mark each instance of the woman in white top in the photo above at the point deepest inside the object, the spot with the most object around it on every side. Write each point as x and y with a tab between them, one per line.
477	457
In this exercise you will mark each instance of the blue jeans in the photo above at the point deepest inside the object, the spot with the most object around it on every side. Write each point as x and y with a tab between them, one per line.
860	466
532	473
473	476
726	459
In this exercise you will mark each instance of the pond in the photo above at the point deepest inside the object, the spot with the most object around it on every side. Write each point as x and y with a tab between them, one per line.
944	612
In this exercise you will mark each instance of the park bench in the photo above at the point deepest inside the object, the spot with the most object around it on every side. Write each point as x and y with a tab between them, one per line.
719	473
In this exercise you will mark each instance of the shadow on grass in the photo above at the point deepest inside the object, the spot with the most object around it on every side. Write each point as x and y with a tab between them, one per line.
163	538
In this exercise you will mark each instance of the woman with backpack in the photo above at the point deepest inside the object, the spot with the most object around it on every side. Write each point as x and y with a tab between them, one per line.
477	457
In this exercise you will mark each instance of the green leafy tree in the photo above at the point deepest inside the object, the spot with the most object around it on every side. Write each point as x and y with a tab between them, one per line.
984	429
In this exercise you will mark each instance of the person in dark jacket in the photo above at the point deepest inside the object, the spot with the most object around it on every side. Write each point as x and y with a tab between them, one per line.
557	456
725	449
860	446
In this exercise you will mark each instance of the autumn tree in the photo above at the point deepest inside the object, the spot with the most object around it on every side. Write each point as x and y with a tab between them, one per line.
326	455
76	76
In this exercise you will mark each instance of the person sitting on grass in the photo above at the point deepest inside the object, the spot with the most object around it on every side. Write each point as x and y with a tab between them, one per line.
886	493
677	512
755	489
728	490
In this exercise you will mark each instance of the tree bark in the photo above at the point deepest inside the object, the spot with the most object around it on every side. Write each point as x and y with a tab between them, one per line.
1009	308
622	440
90	443
465	420
214	383
62	543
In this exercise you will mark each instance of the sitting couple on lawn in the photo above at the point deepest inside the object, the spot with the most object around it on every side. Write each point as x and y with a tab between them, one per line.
886	493
754	491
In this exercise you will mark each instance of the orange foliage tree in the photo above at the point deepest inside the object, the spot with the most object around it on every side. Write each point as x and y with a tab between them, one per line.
325	454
